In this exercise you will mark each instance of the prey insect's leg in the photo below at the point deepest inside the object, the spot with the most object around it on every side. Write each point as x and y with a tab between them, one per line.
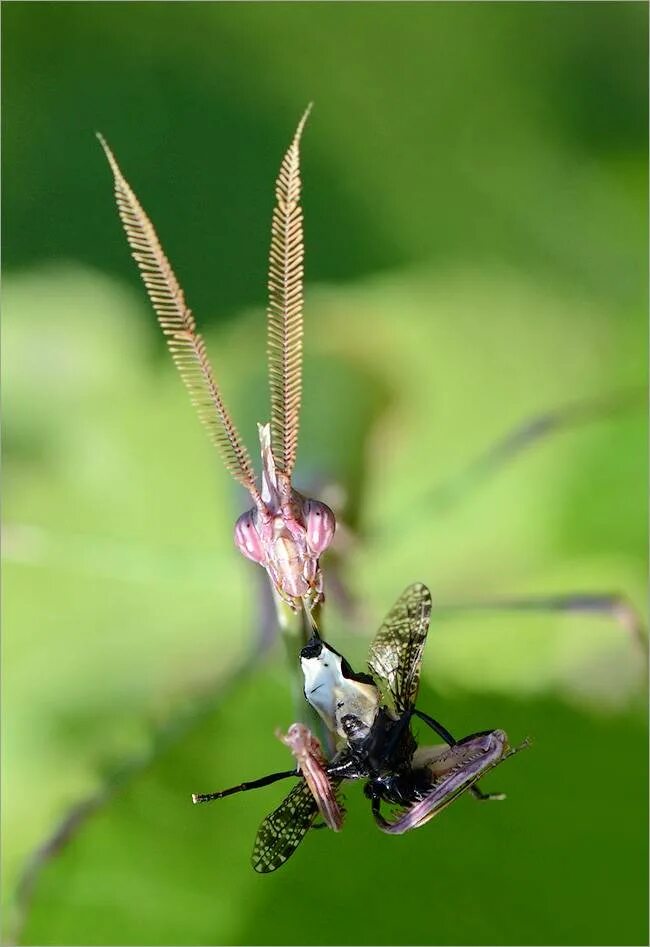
438	727
375	804
611	605
244	787
486	796
447	737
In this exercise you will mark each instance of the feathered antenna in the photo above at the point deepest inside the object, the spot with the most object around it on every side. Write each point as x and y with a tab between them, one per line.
177	322
285	310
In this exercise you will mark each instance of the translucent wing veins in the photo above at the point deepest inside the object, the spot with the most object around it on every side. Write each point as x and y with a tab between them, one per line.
283	830
396	653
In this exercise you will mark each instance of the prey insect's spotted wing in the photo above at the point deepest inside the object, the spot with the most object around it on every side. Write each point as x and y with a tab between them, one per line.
396	653
284	532
283	830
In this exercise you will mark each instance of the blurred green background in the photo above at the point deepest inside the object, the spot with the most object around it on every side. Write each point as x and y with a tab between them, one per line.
475	195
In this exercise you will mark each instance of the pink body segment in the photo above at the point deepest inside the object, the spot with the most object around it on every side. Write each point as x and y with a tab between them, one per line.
312	764
286	533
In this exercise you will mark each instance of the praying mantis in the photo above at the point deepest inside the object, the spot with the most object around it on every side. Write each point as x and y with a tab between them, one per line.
285	532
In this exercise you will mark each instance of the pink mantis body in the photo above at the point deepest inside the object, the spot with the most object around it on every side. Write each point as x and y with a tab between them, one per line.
313	766
284	532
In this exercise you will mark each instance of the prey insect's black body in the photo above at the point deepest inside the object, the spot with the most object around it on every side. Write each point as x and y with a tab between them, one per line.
376	737
370	717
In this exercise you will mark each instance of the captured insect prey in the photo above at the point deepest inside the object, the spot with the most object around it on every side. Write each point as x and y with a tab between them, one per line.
284	532
370	716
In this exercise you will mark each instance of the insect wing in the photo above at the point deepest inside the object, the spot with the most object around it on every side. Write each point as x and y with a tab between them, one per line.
283	830
396	653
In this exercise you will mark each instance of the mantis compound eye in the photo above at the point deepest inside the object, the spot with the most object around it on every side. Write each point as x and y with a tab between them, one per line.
320	524
247	538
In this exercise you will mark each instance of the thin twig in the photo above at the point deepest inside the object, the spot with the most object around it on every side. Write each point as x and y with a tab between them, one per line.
521	438
613	606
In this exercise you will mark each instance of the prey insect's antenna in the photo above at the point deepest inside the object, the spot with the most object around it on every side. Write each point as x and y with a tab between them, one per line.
285	313
177	322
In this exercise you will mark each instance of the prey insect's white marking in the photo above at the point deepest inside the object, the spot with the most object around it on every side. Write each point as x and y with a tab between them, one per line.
284	532
334	691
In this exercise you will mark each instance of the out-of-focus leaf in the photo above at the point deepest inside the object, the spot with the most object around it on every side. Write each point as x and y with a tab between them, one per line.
490	162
